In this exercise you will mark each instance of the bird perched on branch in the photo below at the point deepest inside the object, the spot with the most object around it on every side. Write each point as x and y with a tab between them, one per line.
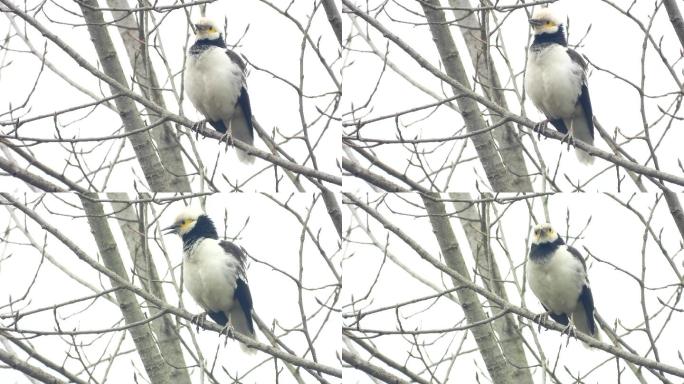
215	84
556	82
214	273
557	275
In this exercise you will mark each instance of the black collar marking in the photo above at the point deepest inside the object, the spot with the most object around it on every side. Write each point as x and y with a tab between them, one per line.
541	251
544	39
204	229
204	44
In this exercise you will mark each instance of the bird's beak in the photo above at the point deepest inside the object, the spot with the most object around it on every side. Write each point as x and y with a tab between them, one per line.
536	23
171	229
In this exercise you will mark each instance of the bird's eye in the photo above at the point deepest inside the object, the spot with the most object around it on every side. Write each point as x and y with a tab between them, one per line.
548	22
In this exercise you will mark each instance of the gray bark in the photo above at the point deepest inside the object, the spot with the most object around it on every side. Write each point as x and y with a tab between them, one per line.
675	210
165	137
500	178
157	178
507	137
499	369
134	230
506	327
676	19
158	371
333	209
333	18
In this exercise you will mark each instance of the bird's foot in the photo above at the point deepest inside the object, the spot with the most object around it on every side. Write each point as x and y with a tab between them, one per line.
540	127
228	138
569	138
228	331
198	126
570	331
540	318
199	320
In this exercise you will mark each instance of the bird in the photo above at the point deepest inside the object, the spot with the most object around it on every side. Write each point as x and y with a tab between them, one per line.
556	82
216	85
214	273
557	275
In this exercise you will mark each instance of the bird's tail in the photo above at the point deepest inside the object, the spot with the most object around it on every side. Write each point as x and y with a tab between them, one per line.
242	130
582	132
584	157
242	323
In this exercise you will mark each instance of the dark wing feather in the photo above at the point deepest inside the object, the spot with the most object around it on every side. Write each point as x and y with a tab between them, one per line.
578	255
234	250
585	103
559	124
562	318
244	298
236	59
246	107
243	99
583	99
242	293
587	301
219	317
219	126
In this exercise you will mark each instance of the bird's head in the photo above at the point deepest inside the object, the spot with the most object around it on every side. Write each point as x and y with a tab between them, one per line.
543	233
207	29
544	20
185	221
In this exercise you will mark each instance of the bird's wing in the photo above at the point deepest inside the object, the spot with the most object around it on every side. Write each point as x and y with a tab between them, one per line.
237	253
219	317
241	123
584	315
243	128
562	318
240	315
235	58
573	251
583	100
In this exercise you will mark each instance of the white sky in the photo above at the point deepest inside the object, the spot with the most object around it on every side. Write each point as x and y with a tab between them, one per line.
275	104
613	235
272	235
613	43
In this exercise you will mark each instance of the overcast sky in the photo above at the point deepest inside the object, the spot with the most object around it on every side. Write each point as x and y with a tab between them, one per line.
270	42
271	236
613	42
612	234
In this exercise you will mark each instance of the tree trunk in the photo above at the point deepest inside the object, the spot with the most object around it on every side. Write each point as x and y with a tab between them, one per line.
157	178
158	371
499	369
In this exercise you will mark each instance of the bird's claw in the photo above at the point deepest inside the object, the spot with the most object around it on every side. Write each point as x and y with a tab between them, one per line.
540	318
228	138
228	332
540	127
199	320
570	331
200	125
568	138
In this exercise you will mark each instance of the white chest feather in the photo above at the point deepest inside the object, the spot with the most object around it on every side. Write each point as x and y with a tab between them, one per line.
557	281
213	83
209	274
553	81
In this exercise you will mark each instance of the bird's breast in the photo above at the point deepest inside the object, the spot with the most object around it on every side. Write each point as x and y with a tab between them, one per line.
557	280
213	83
553	81
210	275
